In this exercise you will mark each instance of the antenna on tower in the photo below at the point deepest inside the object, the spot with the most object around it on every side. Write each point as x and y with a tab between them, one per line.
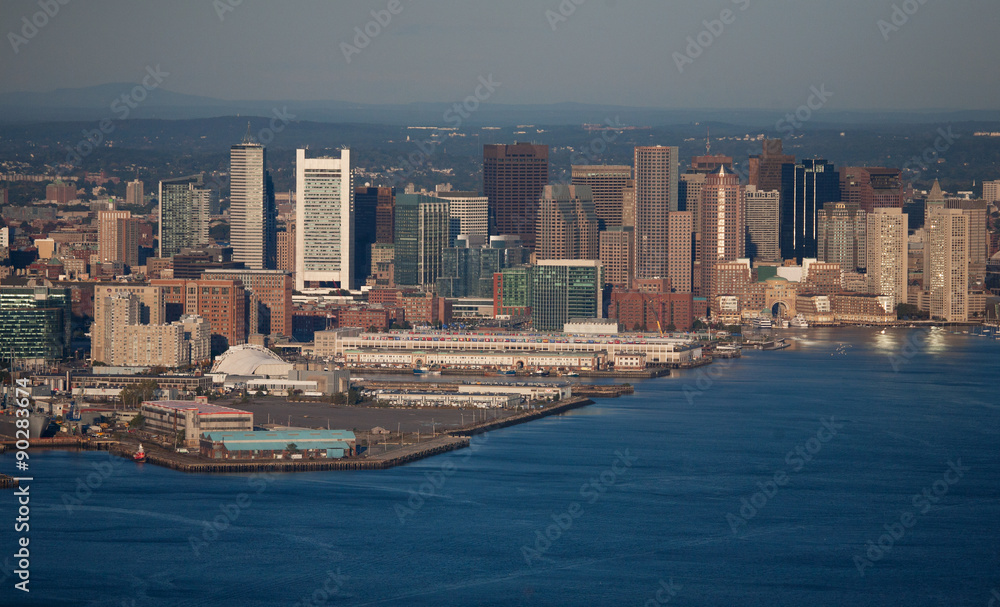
248	138
708	141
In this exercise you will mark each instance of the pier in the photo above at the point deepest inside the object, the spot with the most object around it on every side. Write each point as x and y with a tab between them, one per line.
7	482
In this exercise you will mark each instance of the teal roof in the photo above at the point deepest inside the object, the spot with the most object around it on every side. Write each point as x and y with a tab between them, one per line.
765	272
279	439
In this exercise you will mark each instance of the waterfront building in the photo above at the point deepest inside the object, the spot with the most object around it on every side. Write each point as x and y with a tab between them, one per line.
512	292
564	289
887	252
188	420
568	226
656	179
842	235
723	203
607	184
946	263
308	444
513	178
649	305
185	213
35	323
252	213
805	188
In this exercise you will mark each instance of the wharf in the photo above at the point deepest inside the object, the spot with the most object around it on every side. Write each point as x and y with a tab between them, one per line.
7	482
561	407
579	389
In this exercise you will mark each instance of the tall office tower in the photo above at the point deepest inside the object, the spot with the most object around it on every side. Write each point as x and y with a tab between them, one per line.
710	163
606	185
976	213
617	255
513	178
422	224
680	225
765	168
946	263
118	237
887	251
366	201
656	177
253	222
324	221
991	191
628	205
568	226
805	188
689	195
871	188
564	289
134	193
763	208
185	213
286	249
723	203
471	210
841	239
385	230
36	323
270	297
936	195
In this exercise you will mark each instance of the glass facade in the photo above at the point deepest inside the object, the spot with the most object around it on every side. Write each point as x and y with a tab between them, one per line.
35	323
561	292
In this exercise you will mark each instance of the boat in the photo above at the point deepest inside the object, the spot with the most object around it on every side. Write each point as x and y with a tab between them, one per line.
542	372
140	455
761	322
426	371
572	374
506	372
799	322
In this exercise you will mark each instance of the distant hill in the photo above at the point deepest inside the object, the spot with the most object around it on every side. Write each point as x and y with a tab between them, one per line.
95	103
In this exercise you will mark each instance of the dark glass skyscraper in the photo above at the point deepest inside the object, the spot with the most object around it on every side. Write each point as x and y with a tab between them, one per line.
805	188
513	178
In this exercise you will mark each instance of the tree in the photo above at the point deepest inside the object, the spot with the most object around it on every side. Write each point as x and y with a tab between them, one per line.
292	448
905	311
138	422
133	396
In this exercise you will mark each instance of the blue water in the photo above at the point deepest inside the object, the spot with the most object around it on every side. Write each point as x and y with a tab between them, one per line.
694	446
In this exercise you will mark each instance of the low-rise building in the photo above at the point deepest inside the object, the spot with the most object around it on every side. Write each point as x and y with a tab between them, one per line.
278	444
193	418
451	399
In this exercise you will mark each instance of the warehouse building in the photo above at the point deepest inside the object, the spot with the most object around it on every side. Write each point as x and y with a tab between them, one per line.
450	399
278	444
193	418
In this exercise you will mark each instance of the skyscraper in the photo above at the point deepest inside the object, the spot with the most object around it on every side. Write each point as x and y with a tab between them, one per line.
422	224
366	201
134	194
568	226
887	253
617	255
324	221
385	230
252	212
765	168
723	201
513	178
118	237
471	210
185	213
606	185
805	188
565	289
842	235
656	177
991	191
871	188
762	224
946	263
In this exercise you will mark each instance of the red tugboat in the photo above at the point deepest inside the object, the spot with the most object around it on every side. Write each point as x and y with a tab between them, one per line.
140	455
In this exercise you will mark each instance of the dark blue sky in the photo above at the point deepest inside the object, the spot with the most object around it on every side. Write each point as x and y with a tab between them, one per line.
625	52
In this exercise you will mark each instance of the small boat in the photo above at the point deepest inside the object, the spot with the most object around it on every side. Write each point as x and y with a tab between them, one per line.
507	372
542	372
572	374
140	455
799	322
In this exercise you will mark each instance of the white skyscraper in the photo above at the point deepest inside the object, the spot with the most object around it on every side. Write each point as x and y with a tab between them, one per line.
886	251
946	263
252	214
324	220
470	209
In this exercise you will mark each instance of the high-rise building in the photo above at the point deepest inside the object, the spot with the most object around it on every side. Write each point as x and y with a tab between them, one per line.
871	188
383	271
60	192
252	213
118	237
568	226
513	178
286	248
805	188
762	219
471	210
512	292
134	193
628	205
617	255
680	225
711	163
35	323
564	289
689	195
422	229
113	309
991	191
222	303
946	263
366	201
270	298
723	203
841	236
656	178
324	221
607	183
887	251
976	215
765	168
185	213
385	230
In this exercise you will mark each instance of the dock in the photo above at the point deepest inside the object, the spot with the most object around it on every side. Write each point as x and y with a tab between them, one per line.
7	482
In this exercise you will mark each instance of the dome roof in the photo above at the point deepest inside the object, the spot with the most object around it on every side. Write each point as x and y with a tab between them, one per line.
249	359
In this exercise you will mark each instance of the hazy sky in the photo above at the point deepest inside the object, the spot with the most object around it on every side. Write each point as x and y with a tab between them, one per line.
605	51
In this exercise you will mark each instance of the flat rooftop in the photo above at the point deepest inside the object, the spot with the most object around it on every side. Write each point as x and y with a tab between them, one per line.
189	405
